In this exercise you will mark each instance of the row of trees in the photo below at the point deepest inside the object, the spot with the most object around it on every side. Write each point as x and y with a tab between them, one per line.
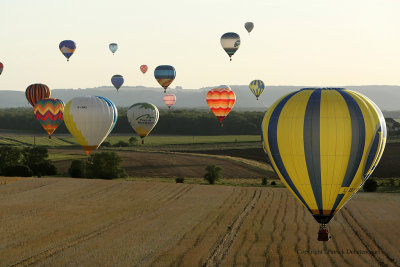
174	121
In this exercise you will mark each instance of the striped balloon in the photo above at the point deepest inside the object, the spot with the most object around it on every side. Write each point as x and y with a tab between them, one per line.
221	100
165	75
67	48
35	92
143	68
323	144
169	100
257	87
49	112
1	67
230	42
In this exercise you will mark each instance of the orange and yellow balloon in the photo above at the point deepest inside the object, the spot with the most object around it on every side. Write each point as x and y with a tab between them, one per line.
221	100
49	112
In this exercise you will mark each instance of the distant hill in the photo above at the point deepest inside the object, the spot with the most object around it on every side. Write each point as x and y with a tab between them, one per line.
386	97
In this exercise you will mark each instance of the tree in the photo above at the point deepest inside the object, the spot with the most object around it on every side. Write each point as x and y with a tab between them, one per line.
213	173
370	185
36	159
9	156
133	141
77	169
106	165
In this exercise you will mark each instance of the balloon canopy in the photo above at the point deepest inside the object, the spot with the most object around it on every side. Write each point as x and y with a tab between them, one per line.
169	100
221	100
89	119
143	68
323	144
257	87
113	47
67	47
230	42
165	75
249	26
143	117
117	80
49	113
35	92
1	67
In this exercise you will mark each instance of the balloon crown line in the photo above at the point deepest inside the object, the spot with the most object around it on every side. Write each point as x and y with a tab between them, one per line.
323	88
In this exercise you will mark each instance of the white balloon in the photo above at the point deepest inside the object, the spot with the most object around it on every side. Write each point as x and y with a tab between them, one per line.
143	117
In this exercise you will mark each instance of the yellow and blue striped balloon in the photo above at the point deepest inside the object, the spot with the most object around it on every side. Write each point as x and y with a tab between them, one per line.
257	87
324	144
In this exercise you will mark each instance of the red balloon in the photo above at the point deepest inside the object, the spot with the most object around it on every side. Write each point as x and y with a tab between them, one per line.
169	100
143	69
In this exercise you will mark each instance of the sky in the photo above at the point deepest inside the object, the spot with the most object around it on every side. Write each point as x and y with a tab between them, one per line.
294	42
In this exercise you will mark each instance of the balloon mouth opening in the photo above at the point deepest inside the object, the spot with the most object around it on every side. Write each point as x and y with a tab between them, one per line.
323	219
322	88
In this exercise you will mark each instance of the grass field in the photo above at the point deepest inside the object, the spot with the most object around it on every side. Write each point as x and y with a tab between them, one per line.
78	222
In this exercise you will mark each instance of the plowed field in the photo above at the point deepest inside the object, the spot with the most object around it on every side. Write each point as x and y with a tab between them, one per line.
78	222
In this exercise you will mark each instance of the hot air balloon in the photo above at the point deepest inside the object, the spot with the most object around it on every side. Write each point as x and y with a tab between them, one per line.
165	75
143	68
143	117
249	26
117	80
323	144
230	42
221	100
1	67
169	100
89	119
67	47
112	105
113	47
35	92
49	113
257	87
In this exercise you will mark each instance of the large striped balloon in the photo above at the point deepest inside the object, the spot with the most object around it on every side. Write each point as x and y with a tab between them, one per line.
35	92
257	87
1	67
49	113
324	144
169	100
165	75
221	100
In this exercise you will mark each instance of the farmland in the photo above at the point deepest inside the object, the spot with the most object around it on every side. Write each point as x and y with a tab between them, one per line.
57	222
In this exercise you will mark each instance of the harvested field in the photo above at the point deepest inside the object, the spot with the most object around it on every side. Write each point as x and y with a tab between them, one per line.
74	222
165	164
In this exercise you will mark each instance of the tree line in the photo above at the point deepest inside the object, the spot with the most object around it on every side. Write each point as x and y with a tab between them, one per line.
171	122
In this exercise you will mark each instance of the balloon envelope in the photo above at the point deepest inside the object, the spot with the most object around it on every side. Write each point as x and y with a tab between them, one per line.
169	100
89	119
221	100
143	68
249	26
117	80
112	105
257	87
323	144
143	117
165	75
35	92
230	42
67	47
1	67
49	113
113	47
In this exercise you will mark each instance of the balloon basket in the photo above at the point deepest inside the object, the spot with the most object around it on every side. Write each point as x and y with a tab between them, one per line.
323	233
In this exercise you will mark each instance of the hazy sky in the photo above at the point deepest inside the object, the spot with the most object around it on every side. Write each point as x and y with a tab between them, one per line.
294	42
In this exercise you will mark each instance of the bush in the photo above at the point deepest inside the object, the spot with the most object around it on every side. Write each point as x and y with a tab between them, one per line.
77	168
180	180
264	181
370	185
106	144
9	156
17	170
273	183
133	141
121	144
44	168
106	165
213	173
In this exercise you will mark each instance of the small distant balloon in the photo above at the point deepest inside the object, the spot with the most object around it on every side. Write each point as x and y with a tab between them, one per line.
221	100
257	87
67	47
1	67
143	69
230	42
169	100
113	47
249	26
117	80
35	92
49	113
165	75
